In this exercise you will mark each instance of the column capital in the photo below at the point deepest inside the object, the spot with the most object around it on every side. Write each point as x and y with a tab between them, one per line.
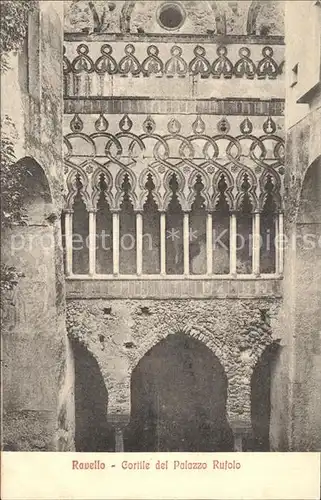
241	430
118	420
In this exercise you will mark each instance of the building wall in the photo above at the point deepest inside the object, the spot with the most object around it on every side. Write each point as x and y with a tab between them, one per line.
122	70
37	361
118	333
119	321
303	56
297	393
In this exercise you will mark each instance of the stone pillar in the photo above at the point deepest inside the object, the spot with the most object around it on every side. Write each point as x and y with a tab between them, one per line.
238	408
241	430
209	243
186	242
115	243
163	243
92	242
280	246
119	422
256	240
233	232
139	243
68	241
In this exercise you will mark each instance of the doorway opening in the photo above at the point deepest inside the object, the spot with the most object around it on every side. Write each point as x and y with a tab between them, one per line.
178	398
92	431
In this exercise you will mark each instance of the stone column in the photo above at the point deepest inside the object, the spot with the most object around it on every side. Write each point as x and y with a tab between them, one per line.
68	241
233	232
241	429
119	422
280	246
256	240
92	242
163	243
139	243
116	243
186	242
209	243
238	408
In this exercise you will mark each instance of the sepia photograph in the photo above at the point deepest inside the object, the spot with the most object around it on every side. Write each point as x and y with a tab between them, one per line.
161	231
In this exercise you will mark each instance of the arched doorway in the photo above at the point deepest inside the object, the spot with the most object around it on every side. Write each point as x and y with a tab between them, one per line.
178	397
92	431
261	399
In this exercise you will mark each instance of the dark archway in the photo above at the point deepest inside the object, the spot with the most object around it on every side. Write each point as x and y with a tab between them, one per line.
261	399
35	192
178	397
92	432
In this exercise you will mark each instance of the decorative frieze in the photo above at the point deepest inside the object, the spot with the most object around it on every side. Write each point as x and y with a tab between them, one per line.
173	288
213	106
217	65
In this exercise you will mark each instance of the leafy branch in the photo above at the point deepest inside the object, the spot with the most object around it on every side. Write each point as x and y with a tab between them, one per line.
13	27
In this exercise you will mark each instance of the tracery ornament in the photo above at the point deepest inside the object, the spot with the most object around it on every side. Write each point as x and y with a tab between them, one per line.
230	167
175	66
245	66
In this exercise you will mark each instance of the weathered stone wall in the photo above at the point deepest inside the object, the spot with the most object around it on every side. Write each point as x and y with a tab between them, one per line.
38	375
296	393
120	332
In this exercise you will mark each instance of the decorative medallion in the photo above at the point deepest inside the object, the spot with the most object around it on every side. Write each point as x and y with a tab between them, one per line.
149	125
245	66
200	65
222	65
152	65
269	126
76	124
125	124
246	126
176	64
101	124
174	126
223	126
198	126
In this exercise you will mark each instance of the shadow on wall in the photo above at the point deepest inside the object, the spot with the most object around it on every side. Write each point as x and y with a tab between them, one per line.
36	195
92	434
261	399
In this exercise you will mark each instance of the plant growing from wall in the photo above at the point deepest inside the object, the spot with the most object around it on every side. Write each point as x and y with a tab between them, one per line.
13	29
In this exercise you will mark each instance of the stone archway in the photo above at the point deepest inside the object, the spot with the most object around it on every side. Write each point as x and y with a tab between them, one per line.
93	433
261	382
178	399
307	342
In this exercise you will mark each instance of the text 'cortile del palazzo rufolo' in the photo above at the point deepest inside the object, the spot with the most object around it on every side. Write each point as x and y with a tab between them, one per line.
174	175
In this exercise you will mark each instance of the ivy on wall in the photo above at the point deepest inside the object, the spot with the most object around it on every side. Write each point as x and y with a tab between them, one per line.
13	29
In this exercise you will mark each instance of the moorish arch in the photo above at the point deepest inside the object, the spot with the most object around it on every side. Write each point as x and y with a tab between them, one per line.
93	432
36	193
262	381
310	196
265	18
119	364
178	399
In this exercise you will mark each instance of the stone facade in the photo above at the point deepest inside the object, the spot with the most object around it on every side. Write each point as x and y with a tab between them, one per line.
127	98
35	346
232	329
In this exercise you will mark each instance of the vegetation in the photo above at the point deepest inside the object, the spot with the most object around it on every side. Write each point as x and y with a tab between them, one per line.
13	29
